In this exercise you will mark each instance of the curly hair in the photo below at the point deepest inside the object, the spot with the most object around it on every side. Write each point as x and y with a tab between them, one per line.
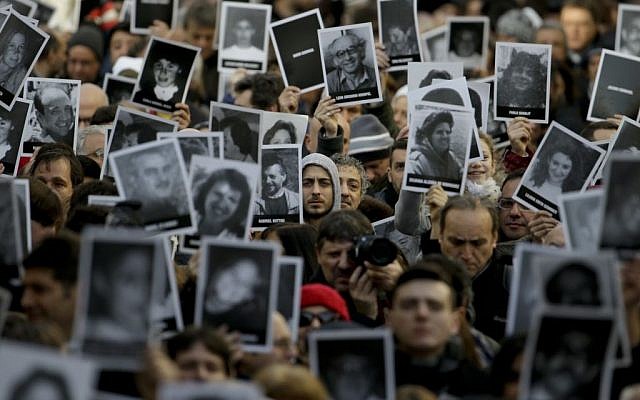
540	171
430	123
280	125
236	180
538	73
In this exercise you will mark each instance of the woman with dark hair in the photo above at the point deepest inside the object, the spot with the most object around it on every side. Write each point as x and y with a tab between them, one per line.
12	70
556	172
222	201
163	81
240	143
431	156
296	240
282	132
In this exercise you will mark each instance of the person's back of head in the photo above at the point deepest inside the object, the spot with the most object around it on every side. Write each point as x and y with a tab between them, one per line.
46	209
599	130
289	382
370	139
105	115
83	191
90	168
265	89
299	240
85	215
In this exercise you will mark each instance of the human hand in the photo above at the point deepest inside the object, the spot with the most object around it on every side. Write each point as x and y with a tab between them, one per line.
519	131
555	237
363	293
289	99
326	113
182	115
541	224
381	56
436	199
384	277
160	29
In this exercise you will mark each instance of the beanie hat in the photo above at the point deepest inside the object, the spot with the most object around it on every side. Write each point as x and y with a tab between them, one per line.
370	140
89	36
328	165
317	294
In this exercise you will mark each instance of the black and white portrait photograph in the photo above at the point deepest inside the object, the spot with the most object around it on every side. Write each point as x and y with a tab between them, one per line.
144	12
565	356
12	123
119	270
24	212
223	195
20	46
283	128
467	40
290	271
434	44
621	208
626	140
295	42
243	40
25	8
398	31
628	29
238	286
495	128
439	141
154	174
480	92
193	142
422	74
118	88
241	127
223	390
10	229
35	372
43	12
564	162
349	64
523	79
133	127
280	192
615	91
581	219
166	73
354	363
54	113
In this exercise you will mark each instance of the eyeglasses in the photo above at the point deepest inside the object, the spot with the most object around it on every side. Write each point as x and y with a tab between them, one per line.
349	50
507	203
59	111
306	317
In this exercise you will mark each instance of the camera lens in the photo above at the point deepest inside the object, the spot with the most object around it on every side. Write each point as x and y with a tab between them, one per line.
382	251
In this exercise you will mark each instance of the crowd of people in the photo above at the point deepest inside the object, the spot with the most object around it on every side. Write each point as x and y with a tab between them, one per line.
446	293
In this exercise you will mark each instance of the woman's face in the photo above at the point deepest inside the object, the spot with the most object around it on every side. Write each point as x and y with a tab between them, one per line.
480	171
5	128
221	202
164	72
281	136
14	51
559	168
522	77
441	137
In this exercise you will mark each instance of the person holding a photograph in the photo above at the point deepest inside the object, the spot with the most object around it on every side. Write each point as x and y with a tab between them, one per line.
276	198
222	201
12	70
350	73
55	114
523	82
432	156
243	32
282	132
555	172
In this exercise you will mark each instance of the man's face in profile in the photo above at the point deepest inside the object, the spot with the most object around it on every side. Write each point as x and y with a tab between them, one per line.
244	32
347	54
274	178
156	172
57	116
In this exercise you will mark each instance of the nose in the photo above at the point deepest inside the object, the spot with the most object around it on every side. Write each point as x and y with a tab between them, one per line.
515	210
466	252
316	187
344	261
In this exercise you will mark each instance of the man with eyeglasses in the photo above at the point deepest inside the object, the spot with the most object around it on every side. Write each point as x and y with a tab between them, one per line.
55	114
351	73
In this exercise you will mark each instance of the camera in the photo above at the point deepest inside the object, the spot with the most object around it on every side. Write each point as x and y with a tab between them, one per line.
377	250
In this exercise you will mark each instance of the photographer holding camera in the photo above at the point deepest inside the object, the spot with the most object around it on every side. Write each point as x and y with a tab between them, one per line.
360	266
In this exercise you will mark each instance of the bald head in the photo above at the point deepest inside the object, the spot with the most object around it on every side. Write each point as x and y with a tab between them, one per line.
91	98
